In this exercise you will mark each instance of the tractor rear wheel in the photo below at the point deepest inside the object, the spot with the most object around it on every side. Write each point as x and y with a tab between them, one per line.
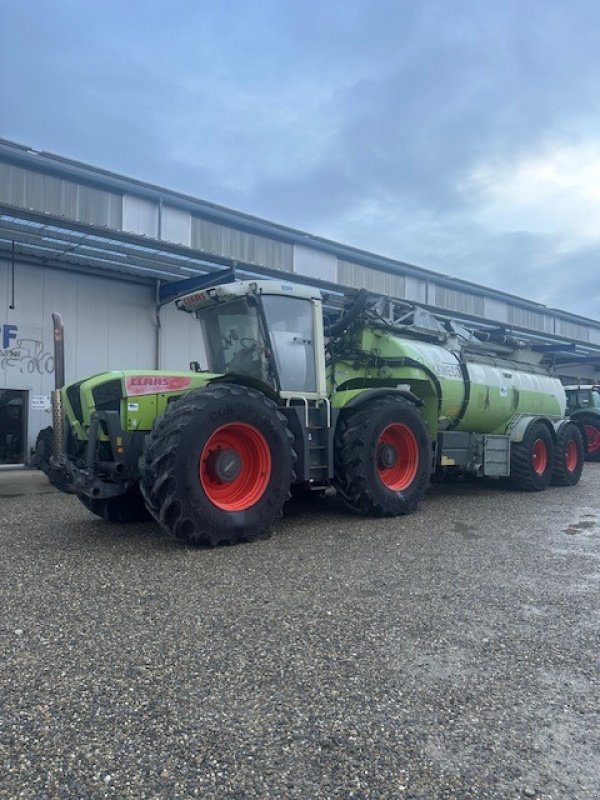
568	456
128	507
382	457
532	460
589	425
218	465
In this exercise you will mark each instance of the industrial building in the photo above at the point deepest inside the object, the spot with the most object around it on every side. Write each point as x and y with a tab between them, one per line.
108	252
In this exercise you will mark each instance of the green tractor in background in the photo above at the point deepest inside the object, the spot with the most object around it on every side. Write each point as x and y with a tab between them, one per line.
583	406
371	400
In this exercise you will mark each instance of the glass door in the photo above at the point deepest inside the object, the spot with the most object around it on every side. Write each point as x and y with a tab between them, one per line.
13	426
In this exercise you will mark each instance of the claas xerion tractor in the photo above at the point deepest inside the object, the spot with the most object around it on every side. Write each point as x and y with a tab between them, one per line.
371	400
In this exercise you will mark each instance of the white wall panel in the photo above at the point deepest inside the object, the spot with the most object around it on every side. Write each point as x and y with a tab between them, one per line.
140	216
108	325
314	263
176	226
495	310
181	339
350	274
415	289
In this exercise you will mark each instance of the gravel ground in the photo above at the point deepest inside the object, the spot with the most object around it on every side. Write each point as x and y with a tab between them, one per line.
450	654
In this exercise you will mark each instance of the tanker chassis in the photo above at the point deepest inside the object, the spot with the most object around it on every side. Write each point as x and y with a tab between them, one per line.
373	400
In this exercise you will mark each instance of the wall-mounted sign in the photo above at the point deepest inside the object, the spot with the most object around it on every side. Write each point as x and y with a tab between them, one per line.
40	402
28	356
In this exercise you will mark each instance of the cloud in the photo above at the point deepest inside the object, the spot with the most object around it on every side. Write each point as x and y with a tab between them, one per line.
461	137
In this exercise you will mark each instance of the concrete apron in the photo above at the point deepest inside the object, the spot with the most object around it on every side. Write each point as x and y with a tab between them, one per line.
18	482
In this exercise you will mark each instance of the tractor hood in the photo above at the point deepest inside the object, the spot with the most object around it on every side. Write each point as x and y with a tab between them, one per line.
138	395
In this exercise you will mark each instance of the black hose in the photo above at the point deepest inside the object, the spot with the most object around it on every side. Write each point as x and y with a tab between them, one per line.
348	317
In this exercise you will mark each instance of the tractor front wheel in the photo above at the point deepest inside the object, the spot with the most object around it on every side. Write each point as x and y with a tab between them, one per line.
589	424
382	457
218	465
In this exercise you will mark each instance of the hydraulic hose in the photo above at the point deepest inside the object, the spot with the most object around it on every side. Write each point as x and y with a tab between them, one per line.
348	317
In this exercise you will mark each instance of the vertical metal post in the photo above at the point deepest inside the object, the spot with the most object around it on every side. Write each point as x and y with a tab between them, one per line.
12	276
59	382
158	325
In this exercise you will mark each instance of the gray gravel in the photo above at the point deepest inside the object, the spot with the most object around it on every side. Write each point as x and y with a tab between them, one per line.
450	654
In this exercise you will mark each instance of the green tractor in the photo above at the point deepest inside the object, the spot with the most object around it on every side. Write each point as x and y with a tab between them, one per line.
371	400
583	406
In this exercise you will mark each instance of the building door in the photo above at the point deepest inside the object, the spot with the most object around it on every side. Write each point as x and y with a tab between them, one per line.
13	426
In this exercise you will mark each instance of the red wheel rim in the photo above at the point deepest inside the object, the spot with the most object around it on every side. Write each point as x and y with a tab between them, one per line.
592	435
571	456
401	445
539	457
253	457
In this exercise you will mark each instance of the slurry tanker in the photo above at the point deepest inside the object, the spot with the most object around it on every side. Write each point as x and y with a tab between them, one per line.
373	399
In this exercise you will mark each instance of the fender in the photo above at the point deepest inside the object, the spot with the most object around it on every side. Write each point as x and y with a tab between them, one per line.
370	394
519	424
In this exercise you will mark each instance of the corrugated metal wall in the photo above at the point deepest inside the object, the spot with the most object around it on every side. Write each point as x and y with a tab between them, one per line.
453	300
526	318
374	280
573	330
230	242
41	192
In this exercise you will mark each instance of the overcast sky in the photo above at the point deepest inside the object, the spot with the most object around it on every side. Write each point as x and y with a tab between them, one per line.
463	136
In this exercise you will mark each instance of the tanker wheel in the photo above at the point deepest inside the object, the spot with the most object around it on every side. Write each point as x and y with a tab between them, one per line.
127	507
218	465
382	457
569	455
532	460
590	426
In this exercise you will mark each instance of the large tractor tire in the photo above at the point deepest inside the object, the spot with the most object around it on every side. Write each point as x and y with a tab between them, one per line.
128	507
218	465
589	425
44	448
532	460
383	457
569	454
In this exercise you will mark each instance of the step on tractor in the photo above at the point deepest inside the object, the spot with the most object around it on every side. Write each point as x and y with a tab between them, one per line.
373	397
583	407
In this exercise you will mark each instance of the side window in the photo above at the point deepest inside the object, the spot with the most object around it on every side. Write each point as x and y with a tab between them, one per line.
291	327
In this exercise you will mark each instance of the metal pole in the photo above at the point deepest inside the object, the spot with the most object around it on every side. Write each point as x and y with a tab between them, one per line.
12	276
59	382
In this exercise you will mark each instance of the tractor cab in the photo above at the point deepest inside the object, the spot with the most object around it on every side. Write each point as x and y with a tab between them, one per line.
583	397
267	331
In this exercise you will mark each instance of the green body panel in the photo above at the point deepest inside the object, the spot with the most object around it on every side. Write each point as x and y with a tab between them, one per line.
144	396
496	394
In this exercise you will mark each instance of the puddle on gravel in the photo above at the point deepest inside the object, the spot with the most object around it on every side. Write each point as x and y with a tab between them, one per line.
587	523
466	531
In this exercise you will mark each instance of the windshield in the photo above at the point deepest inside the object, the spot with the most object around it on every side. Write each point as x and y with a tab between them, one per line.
291	327
234	339
584	398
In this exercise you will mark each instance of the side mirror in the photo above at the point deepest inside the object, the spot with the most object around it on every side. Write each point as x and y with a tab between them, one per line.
195	366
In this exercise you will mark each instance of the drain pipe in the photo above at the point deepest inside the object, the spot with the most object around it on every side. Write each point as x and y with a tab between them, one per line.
158	325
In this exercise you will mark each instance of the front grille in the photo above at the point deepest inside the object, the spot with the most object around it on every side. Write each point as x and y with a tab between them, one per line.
107	396
74	399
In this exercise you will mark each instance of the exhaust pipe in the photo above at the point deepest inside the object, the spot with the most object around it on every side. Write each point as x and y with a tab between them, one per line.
58	423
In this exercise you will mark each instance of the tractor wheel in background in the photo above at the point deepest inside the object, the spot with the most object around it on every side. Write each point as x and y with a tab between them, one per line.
532	460
127	507
382	457
568	456
44	448
218	465
589	424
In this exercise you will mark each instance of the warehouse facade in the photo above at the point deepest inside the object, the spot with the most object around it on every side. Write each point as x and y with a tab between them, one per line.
100	249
